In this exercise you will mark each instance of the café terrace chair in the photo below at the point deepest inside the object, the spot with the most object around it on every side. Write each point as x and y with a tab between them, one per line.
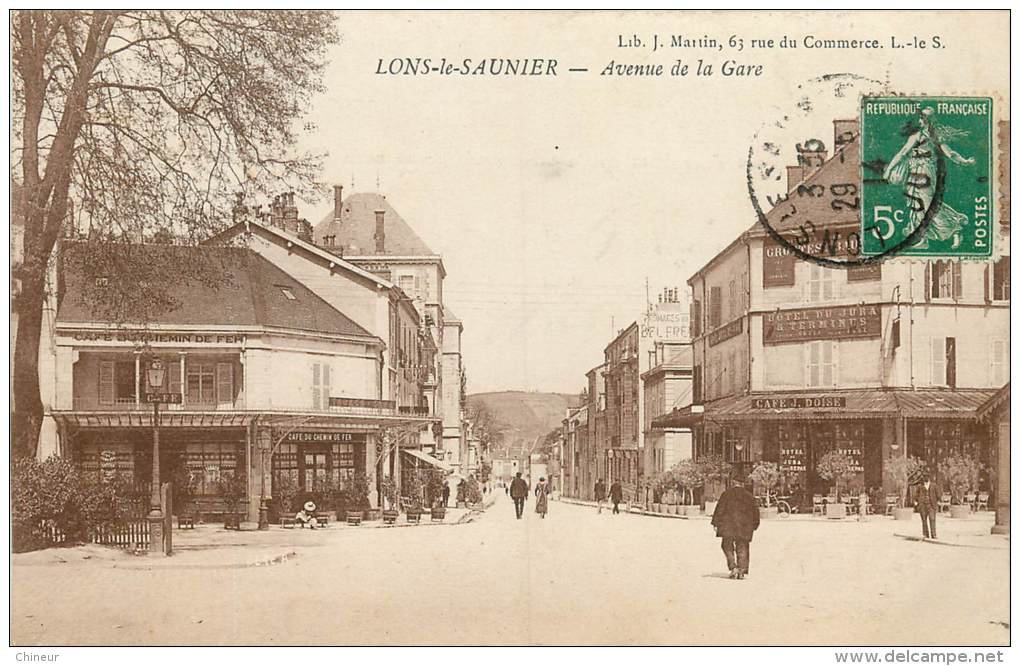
817	506
891	503
945	501
970	499
982	501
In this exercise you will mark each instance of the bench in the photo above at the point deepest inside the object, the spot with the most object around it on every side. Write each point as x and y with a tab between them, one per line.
185	523
414	517
232	522
354	518
288	523
438	514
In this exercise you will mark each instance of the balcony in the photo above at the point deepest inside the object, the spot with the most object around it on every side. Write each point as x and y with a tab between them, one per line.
92	404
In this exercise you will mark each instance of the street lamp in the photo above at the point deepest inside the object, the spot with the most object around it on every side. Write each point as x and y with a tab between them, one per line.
155	374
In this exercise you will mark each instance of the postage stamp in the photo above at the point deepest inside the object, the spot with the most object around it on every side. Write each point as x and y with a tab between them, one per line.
926	162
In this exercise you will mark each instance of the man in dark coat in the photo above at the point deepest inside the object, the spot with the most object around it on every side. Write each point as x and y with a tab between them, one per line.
446	493
616	495
926	503
600	493
519	493
735	520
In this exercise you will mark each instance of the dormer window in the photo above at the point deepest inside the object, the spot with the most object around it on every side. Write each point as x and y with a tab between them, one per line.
288	293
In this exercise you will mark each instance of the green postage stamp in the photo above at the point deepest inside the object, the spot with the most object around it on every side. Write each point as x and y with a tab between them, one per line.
926	161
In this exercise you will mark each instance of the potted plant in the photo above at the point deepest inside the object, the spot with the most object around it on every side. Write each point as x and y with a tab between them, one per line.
961	473
284	490
474	494
232	489
413	509
656	503
766	475
715	470
901	471
689	476
391	496
838	468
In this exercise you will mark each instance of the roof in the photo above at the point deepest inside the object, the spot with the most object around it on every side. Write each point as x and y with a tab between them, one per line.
682	417
787	215
993	403
449	317
852	404
355	232
333	260
241	288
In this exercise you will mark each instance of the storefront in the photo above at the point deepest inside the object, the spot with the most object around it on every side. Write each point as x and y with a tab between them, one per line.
868	426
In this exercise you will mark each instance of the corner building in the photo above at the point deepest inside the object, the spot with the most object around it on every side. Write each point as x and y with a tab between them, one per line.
793	359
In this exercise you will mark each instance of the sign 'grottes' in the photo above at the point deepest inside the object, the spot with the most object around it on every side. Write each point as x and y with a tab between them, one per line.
831	323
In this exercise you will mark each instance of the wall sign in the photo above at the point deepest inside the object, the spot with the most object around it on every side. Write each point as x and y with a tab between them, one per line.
777	265
832	323
800	402
324	437
725	332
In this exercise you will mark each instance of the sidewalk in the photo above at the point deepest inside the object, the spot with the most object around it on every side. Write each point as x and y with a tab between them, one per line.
209	546
973	531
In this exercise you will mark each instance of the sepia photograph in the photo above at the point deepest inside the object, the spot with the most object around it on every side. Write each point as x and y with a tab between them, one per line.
476	328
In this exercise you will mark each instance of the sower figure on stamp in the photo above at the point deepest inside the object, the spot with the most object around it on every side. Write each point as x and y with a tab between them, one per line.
519	493
926	503
735	519
600	493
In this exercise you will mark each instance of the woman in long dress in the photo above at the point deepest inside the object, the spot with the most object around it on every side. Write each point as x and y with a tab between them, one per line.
542	497
915	166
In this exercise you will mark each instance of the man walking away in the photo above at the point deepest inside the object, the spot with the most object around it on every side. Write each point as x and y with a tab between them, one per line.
616	495
519	493
926	503
446	493
735	520
600	493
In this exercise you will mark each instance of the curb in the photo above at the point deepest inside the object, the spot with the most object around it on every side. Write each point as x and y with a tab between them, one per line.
262	562
941	542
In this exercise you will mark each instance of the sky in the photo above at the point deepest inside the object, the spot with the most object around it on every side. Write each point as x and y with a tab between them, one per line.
554	198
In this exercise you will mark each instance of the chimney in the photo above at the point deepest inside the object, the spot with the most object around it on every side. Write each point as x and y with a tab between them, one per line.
811	155
794	174
844	132
380	232
338	198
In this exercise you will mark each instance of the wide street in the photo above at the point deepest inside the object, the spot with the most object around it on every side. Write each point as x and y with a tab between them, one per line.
575	577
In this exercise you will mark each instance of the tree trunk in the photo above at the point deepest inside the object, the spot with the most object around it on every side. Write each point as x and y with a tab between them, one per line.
28	407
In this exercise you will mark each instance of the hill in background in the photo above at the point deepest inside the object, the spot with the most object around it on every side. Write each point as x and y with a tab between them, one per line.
523	416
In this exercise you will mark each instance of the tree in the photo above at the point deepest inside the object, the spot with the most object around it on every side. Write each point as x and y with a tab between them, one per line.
135	126
766	474
836	466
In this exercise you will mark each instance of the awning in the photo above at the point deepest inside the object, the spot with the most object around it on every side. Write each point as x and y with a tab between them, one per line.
435	462
167	419
678	418
852	404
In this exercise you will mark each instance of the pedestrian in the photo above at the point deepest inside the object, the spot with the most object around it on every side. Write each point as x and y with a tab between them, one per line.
600	493
735	520
542	497
519	494
926	503
616	495
306	516
446	493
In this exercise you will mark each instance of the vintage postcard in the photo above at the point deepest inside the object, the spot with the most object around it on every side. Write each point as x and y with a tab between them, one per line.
511	328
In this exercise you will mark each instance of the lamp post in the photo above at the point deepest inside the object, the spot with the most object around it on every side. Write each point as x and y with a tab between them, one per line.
155	374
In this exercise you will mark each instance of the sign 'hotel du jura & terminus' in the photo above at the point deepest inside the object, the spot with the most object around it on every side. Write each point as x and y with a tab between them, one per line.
849	321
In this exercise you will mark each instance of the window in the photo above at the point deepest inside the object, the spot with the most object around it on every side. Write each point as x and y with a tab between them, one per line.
320	385
943	362
821	364
201	383
1000	279
715	307
117	383
1000	364
288	293
406	283
209	462
821	283
733	299
696	319
942	280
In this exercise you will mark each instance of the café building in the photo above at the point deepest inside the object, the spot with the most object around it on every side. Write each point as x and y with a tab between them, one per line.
265	382
793	359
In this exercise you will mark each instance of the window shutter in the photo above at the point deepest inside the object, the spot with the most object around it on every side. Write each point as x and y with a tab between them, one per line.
326	382
927	281
106	383
715	307
957	280
951	362
696	320
988	285
828	363
938	362
224	383
316	391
